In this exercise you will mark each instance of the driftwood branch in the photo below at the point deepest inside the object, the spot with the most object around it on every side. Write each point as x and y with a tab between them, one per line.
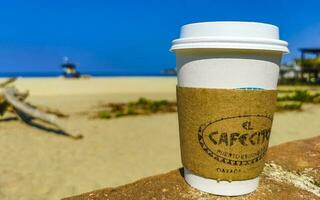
7	82
10	96
27	112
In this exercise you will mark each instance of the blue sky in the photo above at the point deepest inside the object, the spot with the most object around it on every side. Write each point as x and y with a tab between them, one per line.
128	36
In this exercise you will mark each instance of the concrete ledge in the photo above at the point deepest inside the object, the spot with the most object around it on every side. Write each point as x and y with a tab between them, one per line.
292	172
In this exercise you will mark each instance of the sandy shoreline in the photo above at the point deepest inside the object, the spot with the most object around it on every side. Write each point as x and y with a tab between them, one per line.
40	165
91	86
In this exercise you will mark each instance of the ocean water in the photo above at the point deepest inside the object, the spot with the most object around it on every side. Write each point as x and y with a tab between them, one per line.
91	73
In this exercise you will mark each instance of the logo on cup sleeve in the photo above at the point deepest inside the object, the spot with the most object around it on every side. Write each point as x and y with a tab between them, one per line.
238	140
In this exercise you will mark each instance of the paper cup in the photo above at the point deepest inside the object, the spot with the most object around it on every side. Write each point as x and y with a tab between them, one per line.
227	55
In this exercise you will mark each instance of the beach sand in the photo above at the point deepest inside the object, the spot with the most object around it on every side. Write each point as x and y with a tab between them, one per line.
40	165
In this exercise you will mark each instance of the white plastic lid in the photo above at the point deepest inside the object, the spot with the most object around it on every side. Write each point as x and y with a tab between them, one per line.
230	35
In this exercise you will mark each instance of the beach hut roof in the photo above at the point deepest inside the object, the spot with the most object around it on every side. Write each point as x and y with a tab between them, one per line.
68	65
310	50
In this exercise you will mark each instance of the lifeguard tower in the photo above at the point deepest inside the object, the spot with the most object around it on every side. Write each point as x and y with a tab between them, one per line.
69	69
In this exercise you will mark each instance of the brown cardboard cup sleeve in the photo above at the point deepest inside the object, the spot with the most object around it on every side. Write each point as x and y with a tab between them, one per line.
224	133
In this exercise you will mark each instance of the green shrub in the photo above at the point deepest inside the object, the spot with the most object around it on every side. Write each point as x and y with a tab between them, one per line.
120	114
142	106
289	105
104	115
316	99
298	95
309	62
302	95
131	111
142	101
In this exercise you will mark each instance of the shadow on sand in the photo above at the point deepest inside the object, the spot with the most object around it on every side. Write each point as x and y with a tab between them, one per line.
40	126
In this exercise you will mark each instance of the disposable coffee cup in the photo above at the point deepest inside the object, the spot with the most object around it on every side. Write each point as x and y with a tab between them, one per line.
227	78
